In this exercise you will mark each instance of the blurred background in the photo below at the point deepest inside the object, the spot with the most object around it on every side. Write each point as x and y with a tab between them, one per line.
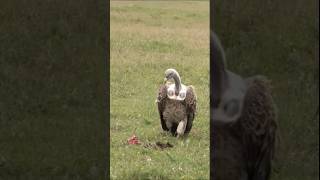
279	39
52	80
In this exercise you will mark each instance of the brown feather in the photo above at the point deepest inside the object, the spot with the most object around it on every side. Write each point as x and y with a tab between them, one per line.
191	103
258	121
161	101
191	100
175	111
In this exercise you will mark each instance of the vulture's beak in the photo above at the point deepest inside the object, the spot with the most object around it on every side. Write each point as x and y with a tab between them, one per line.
165	80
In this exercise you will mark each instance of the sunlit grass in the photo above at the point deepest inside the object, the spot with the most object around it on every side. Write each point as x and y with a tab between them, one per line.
146	39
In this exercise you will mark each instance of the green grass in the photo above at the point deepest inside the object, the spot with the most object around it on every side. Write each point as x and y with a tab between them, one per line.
146	39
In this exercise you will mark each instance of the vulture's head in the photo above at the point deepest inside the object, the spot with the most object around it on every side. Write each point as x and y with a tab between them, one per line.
228	89
173	74
170	74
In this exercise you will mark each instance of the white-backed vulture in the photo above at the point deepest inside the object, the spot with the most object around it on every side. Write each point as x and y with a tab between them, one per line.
176	104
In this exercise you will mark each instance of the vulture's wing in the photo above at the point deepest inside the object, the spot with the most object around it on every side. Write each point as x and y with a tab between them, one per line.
161	101
191	103
258	121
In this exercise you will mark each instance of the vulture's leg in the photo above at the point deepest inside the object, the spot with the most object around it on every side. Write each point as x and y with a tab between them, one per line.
169	124
173	129
182	127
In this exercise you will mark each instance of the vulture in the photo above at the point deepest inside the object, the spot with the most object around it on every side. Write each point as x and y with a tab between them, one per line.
243	122
176	104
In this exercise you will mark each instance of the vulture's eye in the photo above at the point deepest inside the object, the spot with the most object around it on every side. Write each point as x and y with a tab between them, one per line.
182	95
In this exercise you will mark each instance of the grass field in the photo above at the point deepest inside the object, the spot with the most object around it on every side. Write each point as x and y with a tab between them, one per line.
146	39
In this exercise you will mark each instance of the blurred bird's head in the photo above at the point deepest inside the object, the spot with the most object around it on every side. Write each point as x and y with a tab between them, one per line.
227	89
170	74
230	105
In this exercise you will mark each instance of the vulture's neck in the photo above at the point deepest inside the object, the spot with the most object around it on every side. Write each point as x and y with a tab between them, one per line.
177	82
219	80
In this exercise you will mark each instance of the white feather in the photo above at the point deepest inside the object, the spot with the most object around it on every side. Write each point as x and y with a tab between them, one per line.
171	92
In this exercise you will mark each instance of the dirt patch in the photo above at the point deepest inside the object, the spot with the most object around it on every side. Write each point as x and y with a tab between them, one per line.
158	145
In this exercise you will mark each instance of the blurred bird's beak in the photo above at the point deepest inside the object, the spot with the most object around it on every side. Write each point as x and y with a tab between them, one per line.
165	80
